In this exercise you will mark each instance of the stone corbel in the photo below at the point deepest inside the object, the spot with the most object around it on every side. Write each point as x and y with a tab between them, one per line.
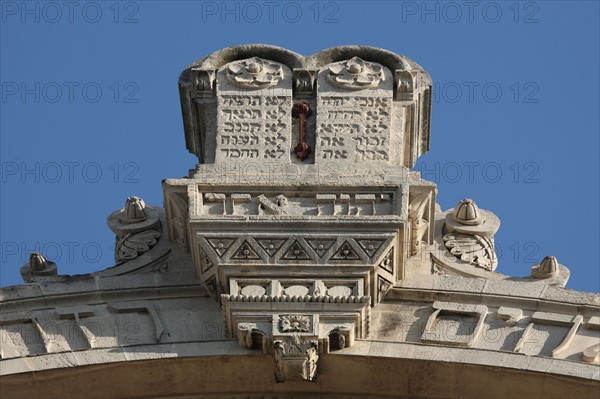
339	338
253	336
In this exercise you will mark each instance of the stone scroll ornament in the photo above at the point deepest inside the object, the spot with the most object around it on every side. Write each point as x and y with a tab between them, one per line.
476	250
355	74
137	229
132	245
254	73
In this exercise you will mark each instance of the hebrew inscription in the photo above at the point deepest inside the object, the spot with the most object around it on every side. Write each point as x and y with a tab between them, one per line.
354	125
306	204
254	101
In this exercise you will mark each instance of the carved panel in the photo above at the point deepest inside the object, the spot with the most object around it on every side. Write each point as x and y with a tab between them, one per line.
295	359
370	246
318	249
270	245
298	204
345	252
354	123
245	252
254	100
220	245
296	252
295	323
320	245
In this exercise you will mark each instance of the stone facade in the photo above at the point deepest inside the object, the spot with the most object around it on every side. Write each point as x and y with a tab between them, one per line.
301	257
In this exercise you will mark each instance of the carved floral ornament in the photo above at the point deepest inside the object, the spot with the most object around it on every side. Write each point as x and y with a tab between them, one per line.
254	73
355	74
294	323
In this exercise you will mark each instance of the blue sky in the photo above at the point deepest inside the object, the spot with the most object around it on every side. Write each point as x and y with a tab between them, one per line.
90	112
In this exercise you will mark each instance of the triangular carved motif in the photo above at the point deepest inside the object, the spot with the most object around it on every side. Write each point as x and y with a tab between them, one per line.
387	263
220	245
245	252
320	245
382	287
296	252
370	246
345	252
205	262
270	245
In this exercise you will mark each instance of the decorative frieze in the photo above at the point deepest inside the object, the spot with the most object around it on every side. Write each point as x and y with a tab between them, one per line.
267	203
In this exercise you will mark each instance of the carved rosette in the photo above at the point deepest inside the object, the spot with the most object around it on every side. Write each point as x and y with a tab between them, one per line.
254	73
355	74
295	323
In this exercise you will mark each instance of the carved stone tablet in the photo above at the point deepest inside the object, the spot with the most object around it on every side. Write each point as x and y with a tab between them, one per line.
354	112
254	105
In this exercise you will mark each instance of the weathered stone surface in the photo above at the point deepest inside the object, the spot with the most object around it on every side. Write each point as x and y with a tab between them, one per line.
301	257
